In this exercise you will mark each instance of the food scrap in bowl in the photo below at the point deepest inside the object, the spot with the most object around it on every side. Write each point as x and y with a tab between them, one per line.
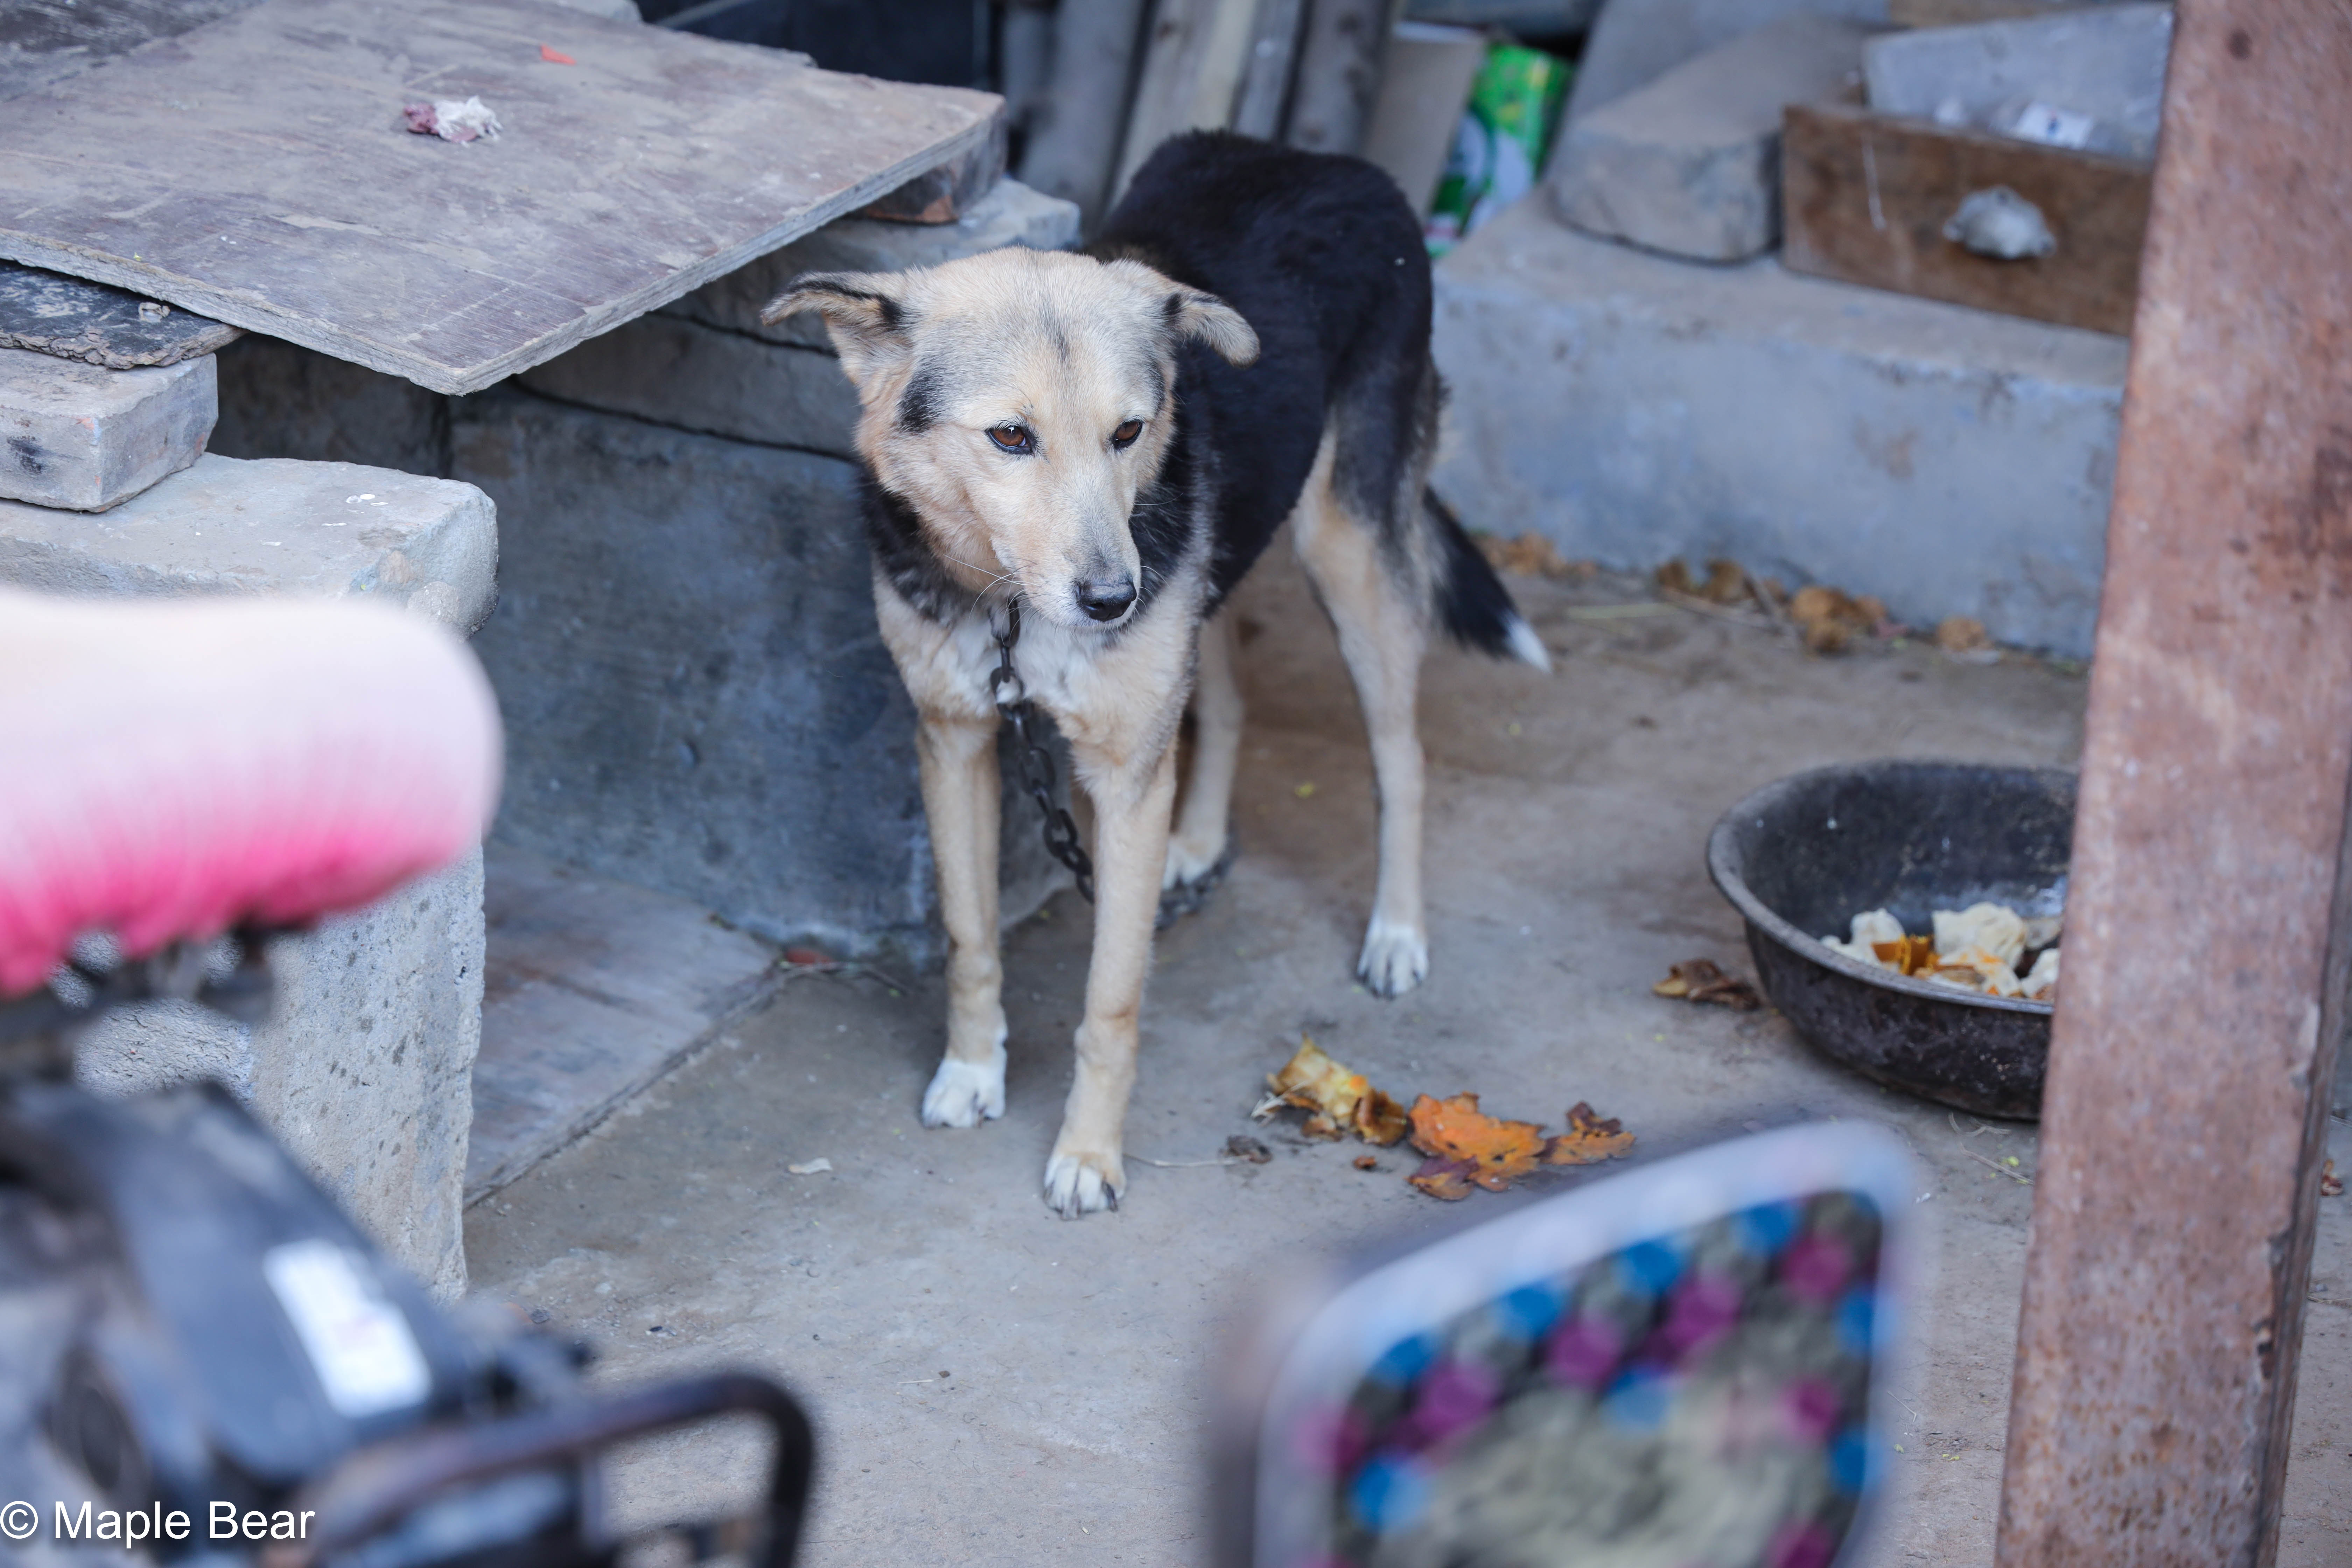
1979	949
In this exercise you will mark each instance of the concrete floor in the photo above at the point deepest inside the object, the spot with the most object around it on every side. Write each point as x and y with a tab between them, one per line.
995	1386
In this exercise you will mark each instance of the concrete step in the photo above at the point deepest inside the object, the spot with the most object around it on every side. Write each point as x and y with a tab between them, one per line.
1633	408
84	437
271	526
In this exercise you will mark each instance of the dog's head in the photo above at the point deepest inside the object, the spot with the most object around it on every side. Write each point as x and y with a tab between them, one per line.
1020	401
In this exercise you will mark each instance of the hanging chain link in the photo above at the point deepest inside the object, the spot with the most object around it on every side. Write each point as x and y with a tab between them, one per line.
1035	762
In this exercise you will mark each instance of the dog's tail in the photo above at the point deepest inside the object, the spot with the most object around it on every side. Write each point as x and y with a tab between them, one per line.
1472	602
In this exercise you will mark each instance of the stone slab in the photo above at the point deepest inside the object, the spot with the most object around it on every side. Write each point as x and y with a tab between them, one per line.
55	314
85	437
363	1070
276	526
593	989
695	695
1634	42
639	167
1633	408
2106	61
674	371
1012	214
1690	165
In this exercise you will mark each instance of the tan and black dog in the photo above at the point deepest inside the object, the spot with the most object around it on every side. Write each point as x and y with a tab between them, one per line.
1110	439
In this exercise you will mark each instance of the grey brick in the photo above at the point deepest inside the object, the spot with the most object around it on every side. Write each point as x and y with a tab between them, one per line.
679	372
1691	163
85	437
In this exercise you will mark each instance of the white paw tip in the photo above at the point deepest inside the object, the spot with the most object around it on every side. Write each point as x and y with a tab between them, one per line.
1075	1186
965	1094
1395	959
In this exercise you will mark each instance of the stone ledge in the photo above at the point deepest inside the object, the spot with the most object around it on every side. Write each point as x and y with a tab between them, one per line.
273	525
1632	407
84	437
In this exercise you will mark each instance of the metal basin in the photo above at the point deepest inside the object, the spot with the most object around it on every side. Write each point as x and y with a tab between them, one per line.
1802	858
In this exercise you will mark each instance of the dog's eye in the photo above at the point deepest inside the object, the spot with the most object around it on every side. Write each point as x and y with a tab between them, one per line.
1012	437
1124	437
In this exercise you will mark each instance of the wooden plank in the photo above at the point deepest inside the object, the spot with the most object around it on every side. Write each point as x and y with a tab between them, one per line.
1864	198
42	41
53	314
655	163
1195	59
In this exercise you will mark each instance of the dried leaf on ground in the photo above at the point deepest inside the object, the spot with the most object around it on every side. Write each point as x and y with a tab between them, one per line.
1725	583
1367	1162
1702	979
1831	619
1531	555
1446	1179
1342	1101
1589	1138
2331	1185
1965	638
1242	1146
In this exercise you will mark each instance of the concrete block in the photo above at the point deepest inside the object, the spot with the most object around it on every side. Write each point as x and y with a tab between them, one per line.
1637	41
224	526
679	372
363	1068
1633	408
1012	214
2105	63
1691	163
696	696
85	437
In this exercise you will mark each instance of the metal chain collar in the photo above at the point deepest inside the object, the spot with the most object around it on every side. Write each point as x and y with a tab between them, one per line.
1035	762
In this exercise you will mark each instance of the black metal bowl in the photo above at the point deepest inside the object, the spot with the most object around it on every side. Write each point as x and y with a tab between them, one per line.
1802	858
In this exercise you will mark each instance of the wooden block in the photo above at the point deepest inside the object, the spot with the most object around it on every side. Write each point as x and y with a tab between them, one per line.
944	194
257	170
1865	198
53	314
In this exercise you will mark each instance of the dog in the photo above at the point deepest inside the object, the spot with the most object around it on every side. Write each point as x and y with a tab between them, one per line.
1104	442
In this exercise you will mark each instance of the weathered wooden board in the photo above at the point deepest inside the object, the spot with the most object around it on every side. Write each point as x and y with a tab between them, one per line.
257	170
42	41
53	314
1865	197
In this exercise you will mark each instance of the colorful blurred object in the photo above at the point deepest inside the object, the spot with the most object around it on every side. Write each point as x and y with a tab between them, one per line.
1499	149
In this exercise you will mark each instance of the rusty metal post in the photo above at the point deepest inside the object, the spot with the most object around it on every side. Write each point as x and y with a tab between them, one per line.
2207	927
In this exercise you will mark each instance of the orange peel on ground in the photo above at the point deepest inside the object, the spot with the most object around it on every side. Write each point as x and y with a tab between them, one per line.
1340	1101
1467	1147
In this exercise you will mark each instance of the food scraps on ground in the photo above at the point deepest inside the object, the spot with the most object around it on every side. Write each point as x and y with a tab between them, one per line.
452	120
1977	949
1467	1147
1367	1162
1532	555
817	1167
2331	1185
1702	979
1242	1146
1727	583
1342	1101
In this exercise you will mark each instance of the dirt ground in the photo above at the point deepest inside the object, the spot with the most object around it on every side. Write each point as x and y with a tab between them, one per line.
996	1386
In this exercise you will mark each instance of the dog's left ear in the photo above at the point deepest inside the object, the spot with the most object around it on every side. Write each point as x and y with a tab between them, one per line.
1193	314
866	314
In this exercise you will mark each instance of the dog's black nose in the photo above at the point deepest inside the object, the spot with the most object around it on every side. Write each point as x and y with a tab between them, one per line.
1105	598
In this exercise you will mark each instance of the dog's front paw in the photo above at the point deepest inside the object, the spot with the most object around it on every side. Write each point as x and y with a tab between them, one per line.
1395	958
1082	1182
965	1094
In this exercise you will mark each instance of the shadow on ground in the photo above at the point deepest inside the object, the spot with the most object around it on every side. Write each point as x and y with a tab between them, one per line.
995	1386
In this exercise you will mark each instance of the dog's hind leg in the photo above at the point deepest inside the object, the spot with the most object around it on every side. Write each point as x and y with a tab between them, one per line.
961	799
1196	853
1383	628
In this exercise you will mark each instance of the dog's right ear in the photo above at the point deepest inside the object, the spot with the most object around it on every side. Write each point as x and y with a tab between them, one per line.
864	313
